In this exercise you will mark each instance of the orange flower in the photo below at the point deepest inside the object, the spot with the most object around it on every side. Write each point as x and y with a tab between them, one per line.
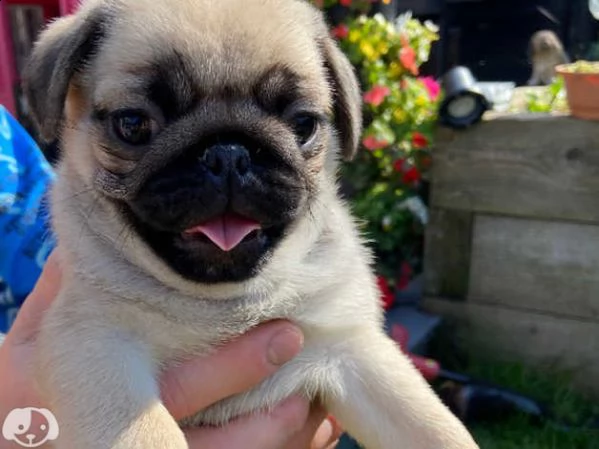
407	57
376	95
372	143
419	140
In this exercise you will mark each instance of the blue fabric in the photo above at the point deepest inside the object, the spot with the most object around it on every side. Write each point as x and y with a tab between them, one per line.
25	239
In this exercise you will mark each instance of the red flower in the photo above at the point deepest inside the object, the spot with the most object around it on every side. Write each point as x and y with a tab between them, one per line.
411	176
341	31
419	140
432	87
372	143
398	165
376	95
345	2
400	335
386	294
405	275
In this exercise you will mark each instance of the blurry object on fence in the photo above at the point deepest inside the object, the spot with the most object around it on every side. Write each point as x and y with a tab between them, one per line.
582	88
546	52
464	103
498	94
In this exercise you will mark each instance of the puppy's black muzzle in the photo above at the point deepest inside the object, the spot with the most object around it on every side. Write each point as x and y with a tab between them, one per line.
227	161
211	180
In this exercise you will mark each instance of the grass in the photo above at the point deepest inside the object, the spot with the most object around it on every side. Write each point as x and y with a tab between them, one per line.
520	431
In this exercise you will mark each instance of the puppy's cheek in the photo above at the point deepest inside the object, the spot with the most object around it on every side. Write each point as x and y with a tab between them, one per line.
316	164
112	163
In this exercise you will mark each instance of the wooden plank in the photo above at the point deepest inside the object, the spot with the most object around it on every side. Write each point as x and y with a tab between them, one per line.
541	265
537	166
569	346
447	253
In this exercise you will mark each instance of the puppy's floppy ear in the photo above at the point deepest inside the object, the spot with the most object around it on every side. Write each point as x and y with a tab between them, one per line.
347	97
61	52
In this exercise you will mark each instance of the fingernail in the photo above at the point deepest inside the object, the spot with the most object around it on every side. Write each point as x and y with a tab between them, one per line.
285	345
324	435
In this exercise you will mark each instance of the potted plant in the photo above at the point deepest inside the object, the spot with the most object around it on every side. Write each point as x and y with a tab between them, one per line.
581	79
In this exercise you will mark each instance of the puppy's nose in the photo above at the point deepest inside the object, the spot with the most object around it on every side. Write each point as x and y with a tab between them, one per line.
227	159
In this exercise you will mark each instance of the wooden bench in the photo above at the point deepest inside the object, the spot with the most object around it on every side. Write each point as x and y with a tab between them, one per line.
512	247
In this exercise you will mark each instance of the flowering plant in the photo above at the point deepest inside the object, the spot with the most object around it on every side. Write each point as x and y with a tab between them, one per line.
400	110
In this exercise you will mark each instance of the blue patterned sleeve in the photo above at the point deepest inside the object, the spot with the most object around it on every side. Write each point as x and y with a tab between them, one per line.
25	237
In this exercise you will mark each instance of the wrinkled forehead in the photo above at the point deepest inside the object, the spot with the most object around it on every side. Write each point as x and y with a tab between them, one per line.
210	48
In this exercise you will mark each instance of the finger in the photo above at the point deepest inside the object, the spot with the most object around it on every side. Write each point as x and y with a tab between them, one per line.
306	438
336	434
260	431
37	303
234	368
328	434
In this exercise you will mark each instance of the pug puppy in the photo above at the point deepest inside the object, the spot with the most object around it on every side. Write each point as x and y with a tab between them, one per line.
196	199
546	52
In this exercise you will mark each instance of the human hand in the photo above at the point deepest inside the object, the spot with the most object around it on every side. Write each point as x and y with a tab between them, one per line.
234	368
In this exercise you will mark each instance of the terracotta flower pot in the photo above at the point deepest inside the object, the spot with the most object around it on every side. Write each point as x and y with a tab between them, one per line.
582	88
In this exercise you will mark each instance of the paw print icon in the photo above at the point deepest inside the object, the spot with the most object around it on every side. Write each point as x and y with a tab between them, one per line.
30	427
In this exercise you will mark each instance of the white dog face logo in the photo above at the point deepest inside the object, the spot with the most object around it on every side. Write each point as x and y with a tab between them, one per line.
30	427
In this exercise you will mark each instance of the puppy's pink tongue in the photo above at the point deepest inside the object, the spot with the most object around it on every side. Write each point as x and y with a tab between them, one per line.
226	231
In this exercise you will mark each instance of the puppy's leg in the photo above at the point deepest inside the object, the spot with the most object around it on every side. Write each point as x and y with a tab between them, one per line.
386	404
101	387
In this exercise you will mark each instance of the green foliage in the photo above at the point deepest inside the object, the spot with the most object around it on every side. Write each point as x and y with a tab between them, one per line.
401	111
519	431
550	99
552	388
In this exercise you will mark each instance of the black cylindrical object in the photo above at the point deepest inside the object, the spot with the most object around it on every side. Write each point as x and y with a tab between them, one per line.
463	104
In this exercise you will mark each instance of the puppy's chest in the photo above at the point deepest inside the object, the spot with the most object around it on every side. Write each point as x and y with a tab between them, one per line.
209	325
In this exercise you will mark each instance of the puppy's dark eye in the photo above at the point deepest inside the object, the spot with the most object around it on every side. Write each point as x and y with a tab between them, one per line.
305	127
133	127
